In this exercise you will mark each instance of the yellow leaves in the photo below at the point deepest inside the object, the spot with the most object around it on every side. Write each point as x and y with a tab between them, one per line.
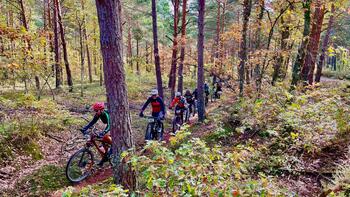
13	66
294	135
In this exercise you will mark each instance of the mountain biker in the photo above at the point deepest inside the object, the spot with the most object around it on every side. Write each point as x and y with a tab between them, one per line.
158	107
189	99
180	104
102	114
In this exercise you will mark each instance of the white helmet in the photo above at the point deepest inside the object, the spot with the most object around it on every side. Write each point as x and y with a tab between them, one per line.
154	92
178	94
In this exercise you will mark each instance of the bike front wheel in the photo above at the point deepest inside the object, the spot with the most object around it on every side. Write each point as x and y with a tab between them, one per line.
80	165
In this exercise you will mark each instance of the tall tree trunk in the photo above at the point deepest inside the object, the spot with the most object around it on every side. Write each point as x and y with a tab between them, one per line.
64	46
325	45
26	26
156	50
58	67
86	43
312	47
222	44
172	75
137	57
316	40
82	59
258	45
247	6
217	42
200	48
130	48
109	17
183	46
285	33
147	55
302	49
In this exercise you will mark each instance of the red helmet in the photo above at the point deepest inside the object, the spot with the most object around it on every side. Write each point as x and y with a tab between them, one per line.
98	106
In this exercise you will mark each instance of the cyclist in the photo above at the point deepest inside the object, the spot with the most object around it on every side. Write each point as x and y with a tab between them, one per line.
189	99
180	104
102	114
158	107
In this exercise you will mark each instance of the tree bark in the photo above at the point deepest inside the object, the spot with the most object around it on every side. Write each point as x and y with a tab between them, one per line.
156	50
302	49
325	45
200	48
58	67
247	6
183	46
258	45
316	40
172	75
307	71
109	17
64	46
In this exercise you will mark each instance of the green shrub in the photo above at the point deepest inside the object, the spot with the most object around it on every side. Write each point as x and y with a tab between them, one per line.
45	180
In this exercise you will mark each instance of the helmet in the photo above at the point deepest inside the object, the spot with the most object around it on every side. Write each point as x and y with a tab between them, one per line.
98	106
154	92
188	91
178	94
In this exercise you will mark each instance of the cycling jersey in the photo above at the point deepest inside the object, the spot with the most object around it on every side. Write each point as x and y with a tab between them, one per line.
104	117
156	103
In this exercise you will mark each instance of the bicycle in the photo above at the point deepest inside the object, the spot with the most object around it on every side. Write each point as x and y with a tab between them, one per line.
81	164
155	128
177	120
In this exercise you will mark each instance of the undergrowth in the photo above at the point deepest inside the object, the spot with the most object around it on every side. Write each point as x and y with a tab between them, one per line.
25	120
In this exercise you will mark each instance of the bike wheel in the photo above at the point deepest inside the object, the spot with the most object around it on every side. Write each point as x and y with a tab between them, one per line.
148	135
79	166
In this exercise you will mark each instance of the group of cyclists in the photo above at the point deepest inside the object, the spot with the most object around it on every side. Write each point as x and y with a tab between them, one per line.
181	103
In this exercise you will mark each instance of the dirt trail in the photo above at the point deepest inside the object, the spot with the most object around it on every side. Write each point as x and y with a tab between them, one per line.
104	174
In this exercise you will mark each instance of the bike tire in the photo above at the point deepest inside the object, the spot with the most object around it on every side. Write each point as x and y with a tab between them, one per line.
70	164
148	135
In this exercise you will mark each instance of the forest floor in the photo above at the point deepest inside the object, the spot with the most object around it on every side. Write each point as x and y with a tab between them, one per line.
25	176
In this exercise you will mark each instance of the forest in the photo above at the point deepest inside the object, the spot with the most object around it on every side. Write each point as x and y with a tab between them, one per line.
175	98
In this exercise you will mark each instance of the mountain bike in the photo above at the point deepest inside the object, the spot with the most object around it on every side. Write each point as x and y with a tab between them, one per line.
82	163
178	120
155	128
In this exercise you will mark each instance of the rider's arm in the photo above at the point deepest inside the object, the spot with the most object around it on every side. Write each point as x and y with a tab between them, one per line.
146	104
91	123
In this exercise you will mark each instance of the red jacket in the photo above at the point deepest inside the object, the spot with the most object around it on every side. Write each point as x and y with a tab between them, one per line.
179	101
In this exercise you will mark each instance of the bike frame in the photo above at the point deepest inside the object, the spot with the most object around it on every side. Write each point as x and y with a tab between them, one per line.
93	142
